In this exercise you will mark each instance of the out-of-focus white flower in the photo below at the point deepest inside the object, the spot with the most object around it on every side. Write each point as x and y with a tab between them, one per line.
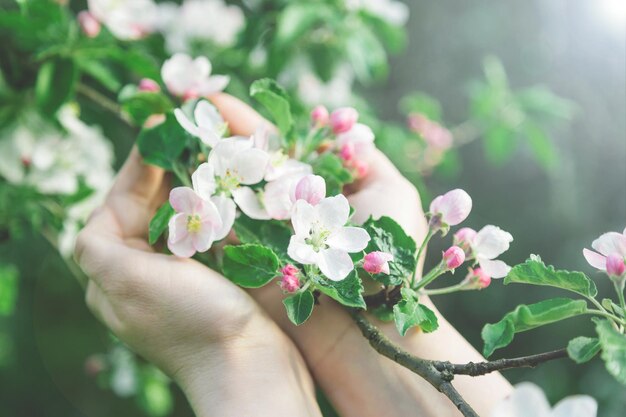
191	78
208	124
489	243
126	19
199	20
528	400
312	91
394	12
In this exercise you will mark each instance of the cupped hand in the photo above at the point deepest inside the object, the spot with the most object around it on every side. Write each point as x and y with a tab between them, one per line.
193	323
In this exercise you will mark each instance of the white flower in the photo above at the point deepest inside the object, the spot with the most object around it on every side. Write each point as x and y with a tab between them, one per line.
528	400
209	126
189	78
334	93
489	243
127	20
394	12
322	239
450	208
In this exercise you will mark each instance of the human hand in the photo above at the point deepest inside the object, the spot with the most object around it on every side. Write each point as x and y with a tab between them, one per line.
206	333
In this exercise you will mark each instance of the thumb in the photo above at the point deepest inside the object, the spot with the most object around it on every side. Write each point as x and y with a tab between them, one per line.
242	119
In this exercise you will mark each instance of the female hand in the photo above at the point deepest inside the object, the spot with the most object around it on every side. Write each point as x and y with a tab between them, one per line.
209	335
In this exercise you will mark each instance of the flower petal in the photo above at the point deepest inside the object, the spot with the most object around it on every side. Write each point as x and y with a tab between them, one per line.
249	203
595	259
333	211
494	268
491	241
576	406
349	239
179	241
609	243
203	180
335	264
213	84
251	165
526	400
207	116
302	218
277	199
203	239
184	200
454	206
299	251
187	124
227	211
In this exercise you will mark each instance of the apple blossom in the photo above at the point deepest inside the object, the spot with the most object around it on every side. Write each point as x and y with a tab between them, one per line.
477	278
321	237
343	119
289	280
609	248
489	243
88	24
453	257
356	143
190	78
280	164
148	85
432	132
377	262
528	400
127	20
209	126
450	209
311	188
463	238
198	222
320	116
362	168
312	90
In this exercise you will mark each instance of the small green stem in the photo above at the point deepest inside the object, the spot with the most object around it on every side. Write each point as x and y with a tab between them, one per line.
619	288
607	315
429	235
446	290
430	277
181	174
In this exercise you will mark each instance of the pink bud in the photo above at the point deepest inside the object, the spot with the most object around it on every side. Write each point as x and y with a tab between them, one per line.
342	119
464	238
377	262
362	168
290	269
290	283
94	364
148	85
615	265
454	257
88	24
477	278
319	116
347	151
311	188
451	208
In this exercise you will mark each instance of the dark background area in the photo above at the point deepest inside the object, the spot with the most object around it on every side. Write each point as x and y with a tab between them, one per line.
567	45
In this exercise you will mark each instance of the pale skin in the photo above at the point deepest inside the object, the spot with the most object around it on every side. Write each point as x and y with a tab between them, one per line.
233	352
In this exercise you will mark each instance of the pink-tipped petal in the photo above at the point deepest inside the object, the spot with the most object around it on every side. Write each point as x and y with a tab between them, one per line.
454	206
595	259
184	200
311	188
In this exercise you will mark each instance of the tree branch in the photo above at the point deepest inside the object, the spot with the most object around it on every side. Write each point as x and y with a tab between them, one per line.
102	100
482	368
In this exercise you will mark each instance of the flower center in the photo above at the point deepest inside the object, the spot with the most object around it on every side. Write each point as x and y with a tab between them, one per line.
229	181
193	223
317	238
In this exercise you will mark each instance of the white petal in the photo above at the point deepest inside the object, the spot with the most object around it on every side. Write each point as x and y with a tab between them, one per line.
333	211
213	85
287	168
179	241
251	165
335	264
302	218
187	124
277	200
610	243
207	116
249	203
203	180
454	206
495	269
491	241
184	200
203	239
576	406
202	65
349	239
227	211
595	259
223	153
527	400
299	251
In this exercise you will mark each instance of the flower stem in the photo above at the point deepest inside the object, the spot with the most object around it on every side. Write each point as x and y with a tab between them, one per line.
430	277
429	235
181	174
619	288
446	290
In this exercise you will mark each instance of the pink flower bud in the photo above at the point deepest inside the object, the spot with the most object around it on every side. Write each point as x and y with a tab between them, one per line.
148	85
454	257
615	265
464	238
377	262
290	269
320	116
347	151
342	119
311	188
290	283
477	278
362	168
88	24
451	208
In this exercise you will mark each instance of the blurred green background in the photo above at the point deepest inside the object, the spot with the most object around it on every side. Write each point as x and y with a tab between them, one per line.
575	47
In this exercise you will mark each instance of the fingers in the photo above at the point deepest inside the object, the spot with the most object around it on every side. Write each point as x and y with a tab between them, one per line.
137	179
242	119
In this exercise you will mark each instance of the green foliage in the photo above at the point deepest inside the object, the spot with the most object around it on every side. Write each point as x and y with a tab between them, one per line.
8	289
271	233
535	272
410	313
388	236
527	317
297	20
330	167
154	395
159	222
613	346
275	100
299	306
140	105
583	349
366	53
163	144
56	81
348	291
250	265
422	103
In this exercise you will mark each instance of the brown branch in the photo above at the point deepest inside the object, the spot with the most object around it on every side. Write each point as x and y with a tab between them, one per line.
482	368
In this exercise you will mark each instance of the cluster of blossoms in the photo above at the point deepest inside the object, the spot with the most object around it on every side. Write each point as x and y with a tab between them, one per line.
609	256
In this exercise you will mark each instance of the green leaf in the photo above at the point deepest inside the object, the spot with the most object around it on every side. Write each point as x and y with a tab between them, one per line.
613	346
251	266
142	104
297	20
348	291
299	307
583	349
8	289
163	144
527	317
271	233
330	167
274	98
410	313
101	73
422	103
366	53
55	84
155	396
392	36
541	145
535	272
388	236
500	143
159	222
